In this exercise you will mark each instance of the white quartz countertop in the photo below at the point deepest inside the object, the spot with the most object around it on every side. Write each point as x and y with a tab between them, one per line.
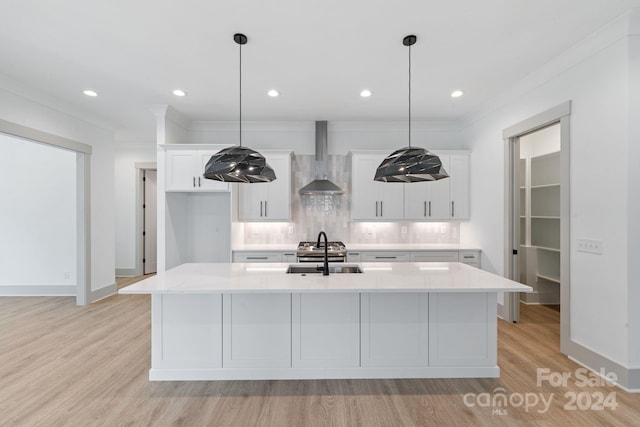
377	277
364	247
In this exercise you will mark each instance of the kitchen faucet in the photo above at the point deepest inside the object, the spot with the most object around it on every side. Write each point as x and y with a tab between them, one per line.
325	268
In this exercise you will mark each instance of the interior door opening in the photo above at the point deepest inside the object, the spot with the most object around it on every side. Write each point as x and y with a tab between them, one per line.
149	222
537	213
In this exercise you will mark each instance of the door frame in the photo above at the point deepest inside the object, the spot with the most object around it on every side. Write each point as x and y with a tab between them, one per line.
83	198
559	114
140	168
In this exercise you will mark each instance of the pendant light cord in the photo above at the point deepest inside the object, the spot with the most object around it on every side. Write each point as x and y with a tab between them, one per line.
240	78
409	96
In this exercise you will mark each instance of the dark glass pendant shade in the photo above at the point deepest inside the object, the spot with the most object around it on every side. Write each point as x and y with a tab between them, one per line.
239	164
410	164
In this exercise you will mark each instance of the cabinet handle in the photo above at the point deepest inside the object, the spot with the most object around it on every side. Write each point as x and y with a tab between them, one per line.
376	208
260	207
257	257
265	208
425	209
354	253
381	214
194	181
429	208
468	256
288	254
386	257
453	209
199	185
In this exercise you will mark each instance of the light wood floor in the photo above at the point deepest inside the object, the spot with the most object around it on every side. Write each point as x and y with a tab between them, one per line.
63	365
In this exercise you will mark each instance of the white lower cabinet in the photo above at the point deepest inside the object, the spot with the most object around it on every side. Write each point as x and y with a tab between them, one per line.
325	330
256	331
187	331
462	329
433	256
266	256
395	330
386	256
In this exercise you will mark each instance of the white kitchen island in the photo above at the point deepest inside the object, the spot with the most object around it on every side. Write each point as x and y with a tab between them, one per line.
253	321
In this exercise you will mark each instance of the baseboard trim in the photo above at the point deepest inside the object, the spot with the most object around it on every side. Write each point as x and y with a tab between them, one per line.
125	272
534	298
628	379
103	293
27	290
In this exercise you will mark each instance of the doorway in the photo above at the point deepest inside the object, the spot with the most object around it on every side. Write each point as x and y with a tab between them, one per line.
538	211
537	230
149	222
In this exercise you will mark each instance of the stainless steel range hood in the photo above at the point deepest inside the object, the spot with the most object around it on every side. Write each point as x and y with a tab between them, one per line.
321	185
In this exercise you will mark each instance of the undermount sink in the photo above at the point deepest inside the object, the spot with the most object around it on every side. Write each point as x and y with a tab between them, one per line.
306	269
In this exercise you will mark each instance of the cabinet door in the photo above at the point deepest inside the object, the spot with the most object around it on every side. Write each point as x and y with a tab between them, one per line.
365	201
416	201
277	204
391	200
256	330
439	192
459	186
394	329
251	199
203	184
325	330
179	173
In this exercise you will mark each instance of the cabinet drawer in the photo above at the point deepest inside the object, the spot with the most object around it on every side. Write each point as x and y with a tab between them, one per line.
433	256
386	256
354	256
257	257
469	257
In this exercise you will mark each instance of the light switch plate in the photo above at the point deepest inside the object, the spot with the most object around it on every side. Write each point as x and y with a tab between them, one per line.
591	246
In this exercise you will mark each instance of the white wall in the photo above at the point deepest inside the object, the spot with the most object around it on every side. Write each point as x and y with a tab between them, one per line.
22	110
633	197
597	85
38	215
125	186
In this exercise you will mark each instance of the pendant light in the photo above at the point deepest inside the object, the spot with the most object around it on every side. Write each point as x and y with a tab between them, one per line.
410	164
238	163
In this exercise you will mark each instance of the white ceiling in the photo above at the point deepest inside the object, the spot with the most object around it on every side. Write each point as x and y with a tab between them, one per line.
318	54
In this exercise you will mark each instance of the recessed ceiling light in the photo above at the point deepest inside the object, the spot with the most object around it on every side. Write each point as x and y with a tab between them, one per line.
92	93
457	94
273	93
365	93
179	92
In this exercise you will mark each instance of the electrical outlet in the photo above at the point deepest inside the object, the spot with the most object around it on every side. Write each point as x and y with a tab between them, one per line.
67	275
290	230
403	230
591	246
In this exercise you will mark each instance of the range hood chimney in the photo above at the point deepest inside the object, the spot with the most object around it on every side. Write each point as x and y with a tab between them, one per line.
321	185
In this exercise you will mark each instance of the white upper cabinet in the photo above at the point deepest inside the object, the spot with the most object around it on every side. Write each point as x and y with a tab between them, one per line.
443	200
372	200
268	201
184	169
459	174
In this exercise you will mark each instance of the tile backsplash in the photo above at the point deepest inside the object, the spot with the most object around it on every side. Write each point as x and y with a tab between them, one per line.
308	219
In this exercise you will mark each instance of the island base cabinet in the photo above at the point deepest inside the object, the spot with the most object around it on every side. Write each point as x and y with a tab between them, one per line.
462	329
325	330
316	335
256	330
187	331
395	329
